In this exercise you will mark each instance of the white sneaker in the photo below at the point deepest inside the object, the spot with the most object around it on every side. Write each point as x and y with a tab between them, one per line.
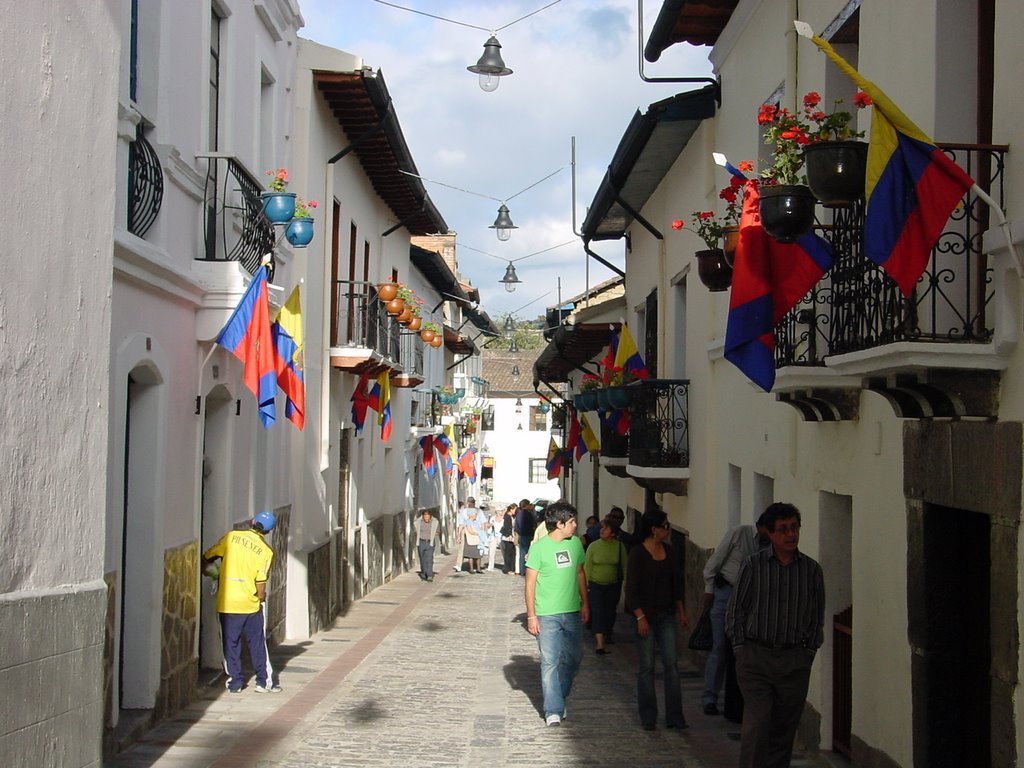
268	689
553	719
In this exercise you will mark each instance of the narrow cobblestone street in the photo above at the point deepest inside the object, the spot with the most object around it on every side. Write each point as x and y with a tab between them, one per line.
439	674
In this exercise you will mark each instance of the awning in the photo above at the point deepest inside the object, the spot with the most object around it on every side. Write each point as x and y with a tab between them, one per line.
571	346
648	148
362	106
697	22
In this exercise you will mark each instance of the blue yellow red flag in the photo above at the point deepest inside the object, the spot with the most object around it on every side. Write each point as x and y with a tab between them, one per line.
573	443
554	462
360	402
587	436
286	332
467	464
627	356
247	336
911	186
427	444
768	279
383	387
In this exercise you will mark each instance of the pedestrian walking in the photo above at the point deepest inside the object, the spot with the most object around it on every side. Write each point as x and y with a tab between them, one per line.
241	597
557	606
654	595
605	568
775	620
721	572
508	540
494	523
472	534
427	530
525	525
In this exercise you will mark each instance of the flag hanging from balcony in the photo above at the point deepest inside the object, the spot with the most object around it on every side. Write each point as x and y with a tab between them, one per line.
383	387
247	336
554	462
443	446
607	363
286	332
467	464
627	356
427	445
360	402
768	279
911	187
617	420
587	436
573	442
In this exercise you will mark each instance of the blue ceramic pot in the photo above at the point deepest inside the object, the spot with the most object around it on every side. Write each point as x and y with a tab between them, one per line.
619	397
278	207
602	400
299	232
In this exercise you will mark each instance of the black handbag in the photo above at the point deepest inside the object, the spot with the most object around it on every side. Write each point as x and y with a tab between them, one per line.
702	639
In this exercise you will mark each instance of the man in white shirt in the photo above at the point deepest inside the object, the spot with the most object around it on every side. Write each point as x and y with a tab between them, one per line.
720	576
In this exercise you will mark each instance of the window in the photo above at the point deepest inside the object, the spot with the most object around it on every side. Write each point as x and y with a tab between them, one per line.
487	418
538	470
538	420
214	93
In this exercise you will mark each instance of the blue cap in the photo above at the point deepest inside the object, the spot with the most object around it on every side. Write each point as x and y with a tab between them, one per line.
265	520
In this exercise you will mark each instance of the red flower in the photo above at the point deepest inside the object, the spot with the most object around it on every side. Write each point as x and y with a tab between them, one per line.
705	215
677	224
861	100
819	115
728	194
812	99
766	114
746	166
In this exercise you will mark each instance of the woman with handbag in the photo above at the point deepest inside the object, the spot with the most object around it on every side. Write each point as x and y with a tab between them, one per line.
605	566
654	596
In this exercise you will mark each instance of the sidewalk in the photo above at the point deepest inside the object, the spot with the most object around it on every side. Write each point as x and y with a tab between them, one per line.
439	674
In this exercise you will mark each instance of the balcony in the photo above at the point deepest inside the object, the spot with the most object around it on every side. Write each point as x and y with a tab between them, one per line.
936	353
145	185
659	435
366	339
614	448
234	226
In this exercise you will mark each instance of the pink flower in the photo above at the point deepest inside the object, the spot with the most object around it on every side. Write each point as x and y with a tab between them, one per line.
677	224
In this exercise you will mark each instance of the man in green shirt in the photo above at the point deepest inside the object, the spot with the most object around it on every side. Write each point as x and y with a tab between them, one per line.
556	606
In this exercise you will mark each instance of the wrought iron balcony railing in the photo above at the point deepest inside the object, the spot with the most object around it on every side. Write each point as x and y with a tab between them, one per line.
235	228
856	306
145	184
659	434
360	320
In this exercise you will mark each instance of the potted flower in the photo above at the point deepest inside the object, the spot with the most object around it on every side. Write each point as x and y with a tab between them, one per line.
786	203
300	229
387	291
714	264
417	318
586	400
429	332
396	305
834	160
278	202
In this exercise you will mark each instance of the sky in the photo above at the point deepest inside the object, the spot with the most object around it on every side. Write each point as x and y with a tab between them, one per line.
575	74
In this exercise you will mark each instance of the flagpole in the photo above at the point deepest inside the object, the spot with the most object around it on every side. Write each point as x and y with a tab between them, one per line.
1004	225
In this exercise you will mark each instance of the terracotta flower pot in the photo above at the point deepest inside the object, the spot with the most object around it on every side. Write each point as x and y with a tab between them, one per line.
732	239
427	335
395	307
415	324
387	291
436	342
405	316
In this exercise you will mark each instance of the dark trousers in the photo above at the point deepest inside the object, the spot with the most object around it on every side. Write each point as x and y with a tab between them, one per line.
426	553
234	627
508	556
604	600
774	685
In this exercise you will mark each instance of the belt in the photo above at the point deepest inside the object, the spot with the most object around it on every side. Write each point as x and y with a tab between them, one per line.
775	646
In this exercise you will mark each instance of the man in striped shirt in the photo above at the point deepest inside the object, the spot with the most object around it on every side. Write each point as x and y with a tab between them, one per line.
775	621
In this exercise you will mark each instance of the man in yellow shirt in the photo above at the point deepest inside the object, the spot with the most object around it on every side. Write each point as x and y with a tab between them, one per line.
241	595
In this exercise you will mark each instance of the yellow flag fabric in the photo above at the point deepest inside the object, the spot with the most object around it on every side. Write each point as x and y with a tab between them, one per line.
587	435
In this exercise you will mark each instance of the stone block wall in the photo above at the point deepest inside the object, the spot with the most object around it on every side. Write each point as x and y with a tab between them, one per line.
179	666
52	641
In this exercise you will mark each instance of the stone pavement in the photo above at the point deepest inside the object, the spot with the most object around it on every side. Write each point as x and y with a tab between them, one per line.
440	674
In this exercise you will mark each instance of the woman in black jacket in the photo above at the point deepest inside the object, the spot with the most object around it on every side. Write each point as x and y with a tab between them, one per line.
654	595
508	540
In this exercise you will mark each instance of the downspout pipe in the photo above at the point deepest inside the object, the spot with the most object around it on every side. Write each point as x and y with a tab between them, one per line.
602	260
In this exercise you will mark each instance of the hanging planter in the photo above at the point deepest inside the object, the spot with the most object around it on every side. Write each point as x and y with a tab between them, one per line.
835	171
387	291
278	207
731	238
405	316
436	342
415	324
299	232
429	332
619	397
714	269
787	211
395	307
587	400
602	399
